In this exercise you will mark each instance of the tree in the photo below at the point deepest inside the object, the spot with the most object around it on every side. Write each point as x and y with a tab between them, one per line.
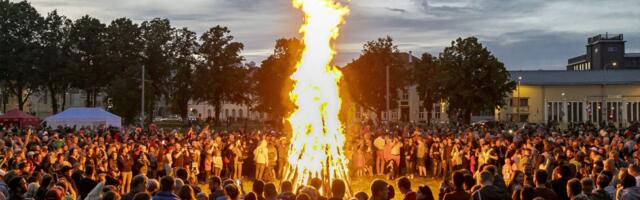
157	35
472	79
87	42
21	28
53	68
124	51
221	77
272	79
426	76
366	76
185	46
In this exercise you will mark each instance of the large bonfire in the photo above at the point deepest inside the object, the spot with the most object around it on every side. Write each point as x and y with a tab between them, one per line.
317	138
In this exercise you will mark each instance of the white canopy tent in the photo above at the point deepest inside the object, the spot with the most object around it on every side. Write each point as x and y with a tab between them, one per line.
84	117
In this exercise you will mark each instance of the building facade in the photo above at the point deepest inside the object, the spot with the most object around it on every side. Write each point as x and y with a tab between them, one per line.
565	97
228	112
605	52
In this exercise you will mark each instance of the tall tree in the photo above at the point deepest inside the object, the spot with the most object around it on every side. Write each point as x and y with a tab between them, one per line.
472	79
21	28
157	35
221	77
426	76
87	42
366	76
185	46
272	80
53	68
124	51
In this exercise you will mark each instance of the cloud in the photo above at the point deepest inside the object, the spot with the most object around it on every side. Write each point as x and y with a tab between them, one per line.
396	10
524	34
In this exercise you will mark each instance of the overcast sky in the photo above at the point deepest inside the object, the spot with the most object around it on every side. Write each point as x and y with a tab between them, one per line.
524	34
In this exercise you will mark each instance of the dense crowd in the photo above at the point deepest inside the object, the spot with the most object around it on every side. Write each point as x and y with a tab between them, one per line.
476	163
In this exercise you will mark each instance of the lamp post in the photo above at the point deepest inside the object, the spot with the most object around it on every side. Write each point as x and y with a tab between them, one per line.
387	96
518	100
142	101
564	103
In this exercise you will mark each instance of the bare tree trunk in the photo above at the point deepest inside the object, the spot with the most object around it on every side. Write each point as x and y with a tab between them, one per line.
54	100
64	100
217	108
87	100
21	101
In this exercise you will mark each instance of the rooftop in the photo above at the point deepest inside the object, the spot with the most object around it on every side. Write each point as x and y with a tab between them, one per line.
562	77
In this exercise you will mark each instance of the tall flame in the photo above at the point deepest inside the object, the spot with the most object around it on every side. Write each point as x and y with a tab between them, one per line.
317	139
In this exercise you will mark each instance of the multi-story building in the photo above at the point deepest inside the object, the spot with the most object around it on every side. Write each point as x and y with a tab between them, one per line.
605	52
574	96
228	112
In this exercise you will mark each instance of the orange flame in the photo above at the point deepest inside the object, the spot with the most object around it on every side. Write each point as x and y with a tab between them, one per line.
317	139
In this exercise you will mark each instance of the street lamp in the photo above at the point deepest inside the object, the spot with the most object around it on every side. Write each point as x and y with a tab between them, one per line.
563	106
518	101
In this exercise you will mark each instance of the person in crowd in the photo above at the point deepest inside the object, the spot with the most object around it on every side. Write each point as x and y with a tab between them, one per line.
634	170
215	186
458	192
142	196
379	190
338	189
89	162
379	143
153	186
540	180
258	188
574	190
186	193
138	185
404	185
600	193
167	184
517	181
286	191
424	193
629	190
559	183
270	191
261	156
487	191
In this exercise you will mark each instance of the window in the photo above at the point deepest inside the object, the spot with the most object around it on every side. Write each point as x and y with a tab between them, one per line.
555	111
421	113
524	101
614	111
594	111
405	95
574	113
633	111
524	117
240	113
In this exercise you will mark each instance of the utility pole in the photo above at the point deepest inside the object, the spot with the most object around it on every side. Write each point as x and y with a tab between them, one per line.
518	101
387	96
142	101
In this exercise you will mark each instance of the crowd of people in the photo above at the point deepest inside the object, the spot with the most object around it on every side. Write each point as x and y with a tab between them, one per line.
476	163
